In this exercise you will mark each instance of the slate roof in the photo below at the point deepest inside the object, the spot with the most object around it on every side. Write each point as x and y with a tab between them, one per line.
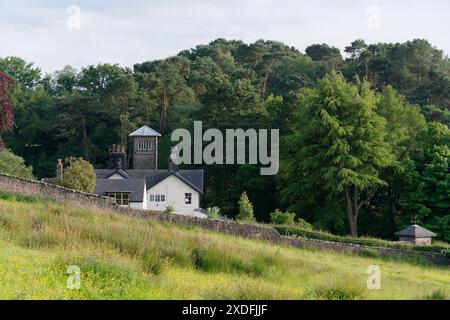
416	231
133	186
193	178
145	131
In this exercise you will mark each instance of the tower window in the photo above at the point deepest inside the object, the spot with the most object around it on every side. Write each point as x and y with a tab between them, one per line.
144	145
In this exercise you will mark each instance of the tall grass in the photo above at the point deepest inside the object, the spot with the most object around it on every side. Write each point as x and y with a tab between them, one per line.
125	257
44	227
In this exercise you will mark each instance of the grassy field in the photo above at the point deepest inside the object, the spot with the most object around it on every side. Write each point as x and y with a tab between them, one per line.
127	258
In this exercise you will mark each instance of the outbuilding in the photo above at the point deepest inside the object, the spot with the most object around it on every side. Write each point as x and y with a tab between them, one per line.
416	234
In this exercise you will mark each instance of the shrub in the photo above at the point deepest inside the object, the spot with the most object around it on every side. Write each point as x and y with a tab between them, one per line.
282	218
79	176
304	225
245	209
170	209
213	213
14	165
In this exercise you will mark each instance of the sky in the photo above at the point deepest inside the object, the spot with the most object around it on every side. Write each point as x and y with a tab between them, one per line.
56	33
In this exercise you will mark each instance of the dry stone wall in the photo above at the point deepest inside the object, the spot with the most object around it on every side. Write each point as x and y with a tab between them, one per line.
86	200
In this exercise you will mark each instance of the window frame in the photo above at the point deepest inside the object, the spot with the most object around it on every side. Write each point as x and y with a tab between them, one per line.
122	199
188	197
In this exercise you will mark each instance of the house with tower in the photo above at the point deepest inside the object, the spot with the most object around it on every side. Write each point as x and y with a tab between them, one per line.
145	186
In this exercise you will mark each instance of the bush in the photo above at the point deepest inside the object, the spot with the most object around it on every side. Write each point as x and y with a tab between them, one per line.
170	209
245	209
213	213
79	175
14	165
282	218
304	225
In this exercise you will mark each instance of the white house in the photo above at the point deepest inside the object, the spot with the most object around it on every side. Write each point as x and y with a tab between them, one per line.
144	186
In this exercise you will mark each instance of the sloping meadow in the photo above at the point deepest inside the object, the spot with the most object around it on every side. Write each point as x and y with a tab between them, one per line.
127	258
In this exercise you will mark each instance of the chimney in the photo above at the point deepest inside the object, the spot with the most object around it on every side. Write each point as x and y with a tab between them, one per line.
59	169
118	159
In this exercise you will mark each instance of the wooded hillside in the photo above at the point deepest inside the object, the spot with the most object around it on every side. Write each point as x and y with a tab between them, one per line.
364	133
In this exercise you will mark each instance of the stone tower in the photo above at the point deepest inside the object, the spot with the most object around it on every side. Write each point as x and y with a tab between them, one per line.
145	148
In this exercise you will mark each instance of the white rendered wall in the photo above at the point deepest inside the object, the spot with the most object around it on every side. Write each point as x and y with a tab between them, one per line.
174	189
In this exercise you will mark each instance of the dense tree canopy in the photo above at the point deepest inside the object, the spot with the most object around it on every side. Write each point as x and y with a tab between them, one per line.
383	138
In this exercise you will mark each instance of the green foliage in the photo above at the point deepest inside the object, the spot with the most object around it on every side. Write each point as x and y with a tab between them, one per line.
437	295
265	84
282	218
79	175
338	146
427	182
14	165
299	231
337	291
170	209
213	213
245	209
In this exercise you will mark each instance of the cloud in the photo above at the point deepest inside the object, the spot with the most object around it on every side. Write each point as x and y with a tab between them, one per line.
127	32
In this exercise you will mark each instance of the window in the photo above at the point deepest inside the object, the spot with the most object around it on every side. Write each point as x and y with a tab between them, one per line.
144	145
188	198
122	199
157	198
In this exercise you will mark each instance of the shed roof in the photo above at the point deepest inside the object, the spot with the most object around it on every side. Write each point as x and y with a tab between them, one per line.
145	131
415	231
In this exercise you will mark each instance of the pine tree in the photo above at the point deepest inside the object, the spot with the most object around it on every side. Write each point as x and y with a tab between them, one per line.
339	146
245	209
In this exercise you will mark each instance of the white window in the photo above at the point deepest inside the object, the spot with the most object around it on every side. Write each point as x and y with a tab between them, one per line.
157	198
188	198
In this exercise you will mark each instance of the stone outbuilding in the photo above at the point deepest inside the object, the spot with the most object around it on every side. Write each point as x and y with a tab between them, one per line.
416	234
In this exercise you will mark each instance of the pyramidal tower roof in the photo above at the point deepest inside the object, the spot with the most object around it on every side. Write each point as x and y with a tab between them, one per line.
145	131
416	232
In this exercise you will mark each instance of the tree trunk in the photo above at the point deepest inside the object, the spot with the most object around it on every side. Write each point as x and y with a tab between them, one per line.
352	211
85	138
264	86
164	110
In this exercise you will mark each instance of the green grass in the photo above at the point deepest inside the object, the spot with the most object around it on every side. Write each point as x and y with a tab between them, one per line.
127	258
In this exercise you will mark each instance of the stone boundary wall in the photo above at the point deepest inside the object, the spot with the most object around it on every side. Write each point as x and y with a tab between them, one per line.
49	191
253	231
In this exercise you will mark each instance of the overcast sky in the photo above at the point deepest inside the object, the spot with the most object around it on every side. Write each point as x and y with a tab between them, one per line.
47	32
